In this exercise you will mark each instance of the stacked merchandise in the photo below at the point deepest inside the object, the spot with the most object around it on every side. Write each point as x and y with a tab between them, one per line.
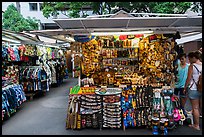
112	111
84	110
111	105
90	111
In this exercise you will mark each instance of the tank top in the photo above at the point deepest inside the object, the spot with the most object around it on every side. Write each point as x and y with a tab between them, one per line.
182	76
195	76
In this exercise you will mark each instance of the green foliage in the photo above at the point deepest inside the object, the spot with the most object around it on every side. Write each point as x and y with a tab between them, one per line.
171	7
13	20
197	6
72	9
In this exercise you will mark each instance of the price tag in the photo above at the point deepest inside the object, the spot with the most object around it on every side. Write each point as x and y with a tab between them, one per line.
122	86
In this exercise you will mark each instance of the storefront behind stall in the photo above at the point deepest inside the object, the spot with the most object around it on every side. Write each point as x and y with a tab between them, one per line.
126	66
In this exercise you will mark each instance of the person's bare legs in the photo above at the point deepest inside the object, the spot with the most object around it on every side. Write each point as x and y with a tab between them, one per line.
196	113
200	101
183	102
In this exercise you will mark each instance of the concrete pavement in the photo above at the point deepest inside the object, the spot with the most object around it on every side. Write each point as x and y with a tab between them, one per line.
46	115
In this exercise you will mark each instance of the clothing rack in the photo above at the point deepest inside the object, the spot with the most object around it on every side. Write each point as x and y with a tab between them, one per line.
12	97
34	78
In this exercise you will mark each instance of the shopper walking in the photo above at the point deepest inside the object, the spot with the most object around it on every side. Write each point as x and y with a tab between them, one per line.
182	72
199	52
193	94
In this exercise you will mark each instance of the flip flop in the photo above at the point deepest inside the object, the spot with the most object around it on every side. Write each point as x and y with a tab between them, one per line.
193	126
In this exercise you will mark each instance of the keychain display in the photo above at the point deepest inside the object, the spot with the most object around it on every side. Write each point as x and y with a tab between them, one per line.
136	106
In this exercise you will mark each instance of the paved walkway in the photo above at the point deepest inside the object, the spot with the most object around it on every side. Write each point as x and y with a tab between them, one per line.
46	115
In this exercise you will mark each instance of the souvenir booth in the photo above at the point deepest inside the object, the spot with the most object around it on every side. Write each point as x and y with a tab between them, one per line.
126	70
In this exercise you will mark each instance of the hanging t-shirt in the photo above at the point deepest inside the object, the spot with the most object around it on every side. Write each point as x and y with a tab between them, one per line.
49	53
11	53
4	52
16	53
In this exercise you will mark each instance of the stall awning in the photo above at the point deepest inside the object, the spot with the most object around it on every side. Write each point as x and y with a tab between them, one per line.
47	39
15	37
122	21
167	24
186	39
57	34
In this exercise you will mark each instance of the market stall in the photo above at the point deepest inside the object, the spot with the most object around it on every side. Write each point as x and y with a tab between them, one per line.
29	67
125	65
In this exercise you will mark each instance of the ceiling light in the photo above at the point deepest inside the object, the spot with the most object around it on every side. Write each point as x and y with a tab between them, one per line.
120	33
70	39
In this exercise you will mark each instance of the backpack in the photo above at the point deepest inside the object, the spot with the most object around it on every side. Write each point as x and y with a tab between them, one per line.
199	83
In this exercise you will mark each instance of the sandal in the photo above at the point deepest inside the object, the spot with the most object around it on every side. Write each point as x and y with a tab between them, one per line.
195	127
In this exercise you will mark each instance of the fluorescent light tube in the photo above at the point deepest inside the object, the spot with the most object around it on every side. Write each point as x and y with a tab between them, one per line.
120	33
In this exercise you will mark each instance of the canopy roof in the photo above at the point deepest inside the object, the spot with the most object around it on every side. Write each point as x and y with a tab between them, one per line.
15	37
189	38
57	34
123	21
28	38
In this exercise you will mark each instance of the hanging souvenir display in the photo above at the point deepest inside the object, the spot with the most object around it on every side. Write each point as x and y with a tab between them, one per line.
128	72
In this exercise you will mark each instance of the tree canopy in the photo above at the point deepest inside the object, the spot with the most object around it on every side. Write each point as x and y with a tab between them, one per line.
13	20
72	9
